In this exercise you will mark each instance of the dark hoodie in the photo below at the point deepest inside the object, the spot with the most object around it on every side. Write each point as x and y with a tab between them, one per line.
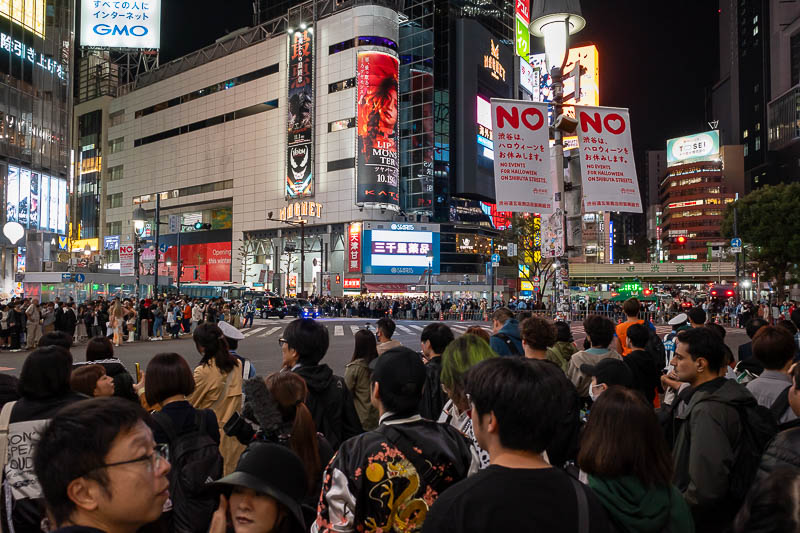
511	330
707	435
634	508
330	403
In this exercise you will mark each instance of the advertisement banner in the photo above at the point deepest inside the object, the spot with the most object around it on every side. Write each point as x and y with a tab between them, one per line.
400	251
521	156
121	24
44	203
553	234
24	196
378	168
211	261
523	40
62	206
34	211
54	204
12	194
111	242
693	148
299	130
126	259
524	11
354	248
607	166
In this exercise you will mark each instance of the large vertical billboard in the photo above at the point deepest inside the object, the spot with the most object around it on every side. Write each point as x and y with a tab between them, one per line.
378	168
35	200
300	131
132	24
23	206
12	194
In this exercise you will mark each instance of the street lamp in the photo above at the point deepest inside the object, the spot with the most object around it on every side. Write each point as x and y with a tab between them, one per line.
87	250
139	218
302	224
430	272
555	21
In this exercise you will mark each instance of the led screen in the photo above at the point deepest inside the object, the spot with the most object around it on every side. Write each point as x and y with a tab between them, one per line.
400	252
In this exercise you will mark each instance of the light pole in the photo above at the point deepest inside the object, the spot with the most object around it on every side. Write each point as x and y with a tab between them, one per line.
430	272
302	224
555	21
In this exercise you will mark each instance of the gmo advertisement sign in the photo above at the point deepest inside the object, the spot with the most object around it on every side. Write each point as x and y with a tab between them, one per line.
134	24
693	148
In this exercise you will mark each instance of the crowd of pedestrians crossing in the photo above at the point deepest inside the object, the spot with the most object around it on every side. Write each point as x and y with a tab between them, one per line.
517	430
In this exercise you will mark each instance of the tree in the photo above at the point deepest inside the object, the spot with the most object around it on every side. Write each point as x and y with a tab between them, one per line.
768	222
247	250
525	231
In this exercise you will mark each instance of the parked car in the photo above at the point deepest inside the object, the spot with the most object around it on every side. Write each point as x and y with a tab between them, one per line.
272	306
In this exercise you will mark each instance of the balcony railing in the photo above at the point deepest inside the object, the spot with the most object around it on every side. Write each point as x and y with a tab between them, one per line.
784	119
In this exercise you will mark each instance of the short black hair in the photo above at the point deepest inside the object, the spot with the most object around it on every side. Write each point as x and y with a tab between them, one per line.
56	338
167	374
309	338
387	326
503	385
638	334
99	348
439	335
45	373
705	343
753	325
75	444
774	347
697	315
599	329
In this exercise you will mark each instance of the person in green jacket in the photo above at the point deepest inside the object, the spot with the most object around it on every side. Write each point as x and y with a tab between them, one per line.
357	377
629	465
564	347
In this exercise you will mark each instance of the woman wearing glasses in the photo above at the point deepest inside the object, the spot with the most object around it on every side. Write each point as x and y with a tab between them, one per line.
218	385
168	383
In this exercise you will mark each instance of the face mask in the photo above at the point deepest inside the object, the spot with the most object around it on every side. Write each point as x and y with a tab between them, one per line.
592	395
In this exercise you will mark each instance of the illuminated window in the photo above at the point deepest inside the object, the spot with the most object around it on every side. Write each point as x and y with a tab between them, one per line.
30	14
758	126
755	19
758	144
341	85
338	125
116	145
728	200
746	149
713	190
713	201
755	30
115	173
744	134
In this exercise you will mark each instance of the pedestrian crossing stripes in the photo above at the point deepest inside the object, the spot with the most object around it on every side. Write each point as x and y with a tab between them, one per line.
253	331
271	331
418	328
404	329
338	331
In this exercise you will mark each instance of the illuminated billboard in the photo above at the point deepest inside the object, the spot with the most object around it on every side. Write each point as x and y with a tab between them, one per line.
35	200
299	131
693	148
30	14
378	167
121	25
400	251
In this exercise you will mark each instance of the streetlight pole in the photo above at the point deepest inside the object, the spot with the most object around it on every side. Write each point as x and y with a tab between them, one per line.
302	224
155	262
430	272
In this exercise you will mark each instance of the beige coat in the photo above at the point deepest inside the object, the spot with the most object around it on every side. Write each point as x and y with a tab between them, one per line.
578	378
388	345
209	383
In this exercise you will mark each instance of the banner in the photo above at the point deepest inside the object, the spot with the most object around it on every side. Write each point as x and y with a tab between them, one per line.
126	259
607	166
12	194
378	169
553	234
354	248
300	131
521	156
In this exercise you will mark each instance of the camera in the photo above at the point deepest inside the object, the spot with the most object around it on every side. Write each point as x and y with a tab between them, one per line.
240	428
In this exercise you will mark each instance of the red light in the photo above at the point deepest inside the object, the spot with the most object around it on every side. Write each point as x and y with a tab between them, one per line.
728	293
713	293
647	292
681	240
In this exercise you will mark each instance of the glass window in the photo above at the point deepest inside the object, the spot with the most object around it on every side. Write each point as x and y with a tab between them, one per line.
338	125
745	133
758	144
115	173
116	145
342	85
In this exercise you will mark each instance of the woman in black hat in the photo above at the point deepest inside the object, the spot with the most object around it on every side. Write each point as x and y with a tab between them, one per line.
263	494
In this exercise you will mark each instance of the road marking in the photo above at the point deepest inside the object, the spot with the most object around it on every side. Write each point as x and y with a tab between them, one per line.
404	329
418	328
354	329
338	331
271	331
253	331
462	329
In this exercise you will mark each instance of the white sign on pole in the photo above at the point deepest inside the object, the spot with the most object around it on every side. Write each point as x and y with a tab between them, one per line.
126	259
512	249
521	156
607	166
131	24
553	234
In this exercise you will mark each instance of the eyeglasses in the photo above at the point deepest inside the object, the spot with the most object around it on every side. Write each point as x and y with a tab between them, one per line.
160	453
281	341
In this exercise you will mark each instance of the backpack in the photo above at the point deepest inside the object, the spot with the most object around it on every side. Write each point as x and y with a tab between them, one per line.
758	429
655	347
196	461
779	407
507	340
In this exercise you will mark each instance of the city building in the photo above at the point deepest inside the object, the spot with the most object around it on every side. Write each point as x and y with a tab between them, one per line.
701	179
35	105
655	170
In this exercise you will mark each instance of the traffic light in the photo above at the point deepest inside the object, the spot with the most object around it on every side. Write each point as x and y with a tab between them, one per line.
201	225
753	275
681	239
338	279
647	292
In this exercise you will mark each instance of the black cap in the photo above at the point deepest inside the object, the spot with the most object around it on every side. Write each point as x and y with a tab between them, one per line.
610	371
273	470
399	371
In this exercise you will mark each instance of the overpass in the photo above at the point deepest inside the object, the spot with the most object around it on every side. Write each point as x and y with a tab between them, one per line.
693	272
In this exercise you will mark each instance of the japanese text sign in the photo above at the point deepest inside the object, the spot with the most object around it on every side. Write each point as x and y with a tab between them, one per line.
521	156
126	259
354	248
121	24
607	166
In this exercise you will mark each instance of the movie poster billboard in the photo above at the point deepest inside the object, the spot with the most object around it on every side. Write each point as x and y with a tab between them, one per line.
24	196
300	131
44	205
12	194
34	211
378	168
62	206
53	204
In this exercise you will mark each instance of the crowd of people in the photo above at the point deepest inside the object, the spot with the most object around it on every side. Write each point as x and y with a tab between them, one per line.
519	429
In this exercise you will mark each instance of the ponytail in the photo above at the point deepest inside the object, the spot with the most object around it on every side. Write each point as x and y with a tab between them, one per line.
210	338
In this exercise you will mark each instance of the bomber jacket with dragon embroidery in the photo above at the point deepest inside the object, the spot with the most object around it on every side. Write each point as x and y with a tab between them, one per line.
372	486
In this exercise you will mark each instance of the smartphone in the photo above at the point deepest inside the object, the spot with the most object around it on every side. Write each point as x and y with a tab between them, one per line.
138	373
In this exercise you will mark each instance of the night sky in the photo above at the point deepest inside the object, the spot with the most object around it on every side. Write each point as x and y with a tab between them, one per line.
657	58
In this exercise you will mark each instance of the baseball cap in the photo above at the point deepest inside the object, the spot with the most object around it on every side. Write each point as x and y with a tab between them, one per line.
610	371
678	319
400	371
230	331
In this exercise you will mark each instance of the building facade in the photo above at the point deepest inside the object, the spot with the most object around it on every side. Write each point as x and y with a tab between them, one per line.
36	47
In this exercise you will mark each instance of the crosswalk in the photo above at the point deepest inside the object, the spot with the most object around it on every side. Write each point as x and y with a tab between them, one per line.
341	330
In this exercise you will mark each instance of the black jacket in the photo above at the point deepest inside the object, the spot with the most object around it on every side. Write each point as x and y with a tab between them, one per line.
123	380
28	418
433	397
783	451
330	403
646	375
745	351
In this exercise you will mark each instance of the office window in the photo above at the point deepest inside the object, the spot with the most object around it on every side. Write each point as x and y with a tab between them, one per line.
114	200
115	173
338	125
758	144
755	30
113	228
745	133
116	118
341	85
747	151
116	145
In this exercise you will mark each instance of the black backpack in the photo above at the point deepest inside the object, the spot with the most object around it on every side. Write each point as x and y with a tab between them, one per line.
196	461
758	429
655	347
779	407
512	347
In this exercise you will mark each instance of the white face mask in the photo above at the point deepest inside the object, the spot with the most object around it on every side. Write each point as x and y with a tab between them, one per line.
592	395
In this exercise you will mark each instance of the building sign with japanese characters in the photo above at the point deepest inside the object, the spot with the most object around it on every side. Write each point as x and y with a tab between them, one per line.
700	147
352	283
131	24
521	156
300	131
354	247
378	168
28	54
400	251
607	166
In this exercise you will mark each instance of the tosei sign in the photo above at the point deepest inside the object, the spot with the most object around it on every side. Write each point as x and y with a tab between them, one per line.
134	24
521	156
607	166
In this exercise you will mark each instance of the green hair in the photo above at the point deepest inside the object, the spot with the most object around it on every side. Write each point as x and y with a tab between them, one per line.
459	356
